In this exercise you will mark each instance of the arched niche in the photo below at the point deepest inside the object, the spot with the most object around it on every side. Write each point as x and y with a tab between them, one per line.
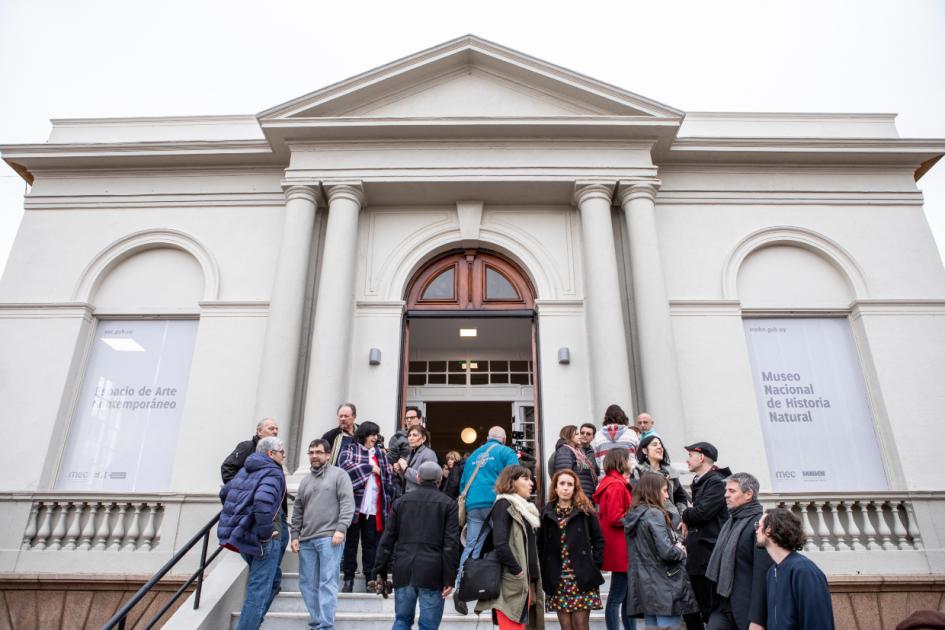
162	260
157	279
785	267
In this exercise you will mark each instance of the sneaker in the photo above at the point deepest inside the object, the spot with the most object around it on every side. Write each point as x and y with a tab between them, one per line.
460	605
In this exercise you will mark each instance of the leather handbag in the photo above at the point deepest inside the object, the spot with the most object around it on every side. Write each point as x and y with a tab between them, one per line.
481	578
461	500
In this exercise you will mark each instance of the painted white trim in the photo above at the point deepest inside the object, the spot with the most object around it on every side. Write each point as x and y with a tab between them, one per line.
93	274
797	237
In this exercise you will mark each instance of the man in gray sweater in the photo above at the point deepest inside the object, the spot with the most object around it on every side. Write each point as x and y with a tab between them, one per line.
323	510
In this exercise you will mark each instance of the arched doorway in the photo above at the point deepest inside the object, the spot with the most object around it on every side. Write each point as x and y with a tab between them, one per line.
470	353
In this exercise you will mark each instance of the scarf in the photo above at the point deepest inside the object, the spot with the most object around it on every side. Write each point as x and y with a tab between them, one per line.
524	507
721	569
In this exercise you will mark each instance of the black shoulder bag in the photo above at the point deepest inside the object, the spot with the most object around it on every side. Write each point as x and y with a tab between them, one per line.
481	578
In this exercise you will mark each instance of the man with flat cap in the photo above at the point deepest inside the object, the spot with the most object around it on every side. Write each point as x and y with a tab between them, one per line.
702	523
421	541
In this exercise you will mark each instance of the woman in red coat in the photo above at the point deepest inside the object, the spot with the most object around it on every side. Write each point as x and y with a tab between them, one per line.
613	500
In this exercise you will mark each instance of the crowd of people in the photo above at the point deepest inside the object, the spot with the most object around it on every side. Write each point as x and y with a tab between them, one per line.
710	557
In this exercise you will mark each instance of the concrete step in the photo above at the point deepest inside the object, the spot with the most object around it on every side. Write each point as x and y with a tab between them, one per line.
290	583
383	621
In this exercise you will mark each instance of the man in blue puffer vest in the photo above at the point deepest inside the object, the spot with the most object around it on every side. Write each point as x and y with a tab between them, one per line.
252	523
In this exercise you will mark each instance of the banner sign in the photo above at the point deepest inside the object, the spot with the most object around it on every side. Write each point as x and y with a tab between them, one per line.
123	436
816	421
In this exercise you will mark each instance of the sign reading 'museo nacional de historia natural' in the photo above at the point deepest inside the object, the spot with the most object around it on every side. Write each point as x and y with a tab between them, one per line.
816	420
124	429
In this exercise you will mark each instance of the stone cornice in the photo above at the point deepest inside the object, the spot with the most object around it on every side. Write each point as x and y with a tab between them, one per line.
188	200
778	197
46	310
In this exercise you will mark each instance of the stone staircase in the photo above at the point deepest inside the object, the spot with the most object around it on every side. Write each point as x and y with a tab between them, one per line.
367	611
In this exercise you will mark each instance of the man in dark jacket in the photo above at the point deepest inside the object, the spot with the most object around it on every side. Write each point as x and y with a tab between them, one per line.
343	434
252	523
737	566
701	525
421	540
798	596
266	427
398	448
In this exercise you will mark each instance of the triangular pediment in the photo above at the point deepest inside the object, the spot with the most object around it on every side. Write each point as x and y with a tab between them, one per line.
468	78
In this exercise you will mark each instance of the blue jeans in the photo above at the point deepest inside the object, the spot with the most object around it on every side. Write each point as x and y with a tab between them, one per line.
476	522
405	605
261	584
616	609
660	621
318	580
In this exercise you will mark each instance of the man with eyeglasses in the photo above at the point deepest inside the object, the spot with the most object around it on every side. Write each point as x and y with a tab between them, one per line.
324	507
587	432
253	523
399	448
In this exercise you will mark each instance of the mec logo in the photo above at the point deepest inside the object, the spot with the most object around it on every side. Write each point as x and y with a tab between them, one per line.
785	474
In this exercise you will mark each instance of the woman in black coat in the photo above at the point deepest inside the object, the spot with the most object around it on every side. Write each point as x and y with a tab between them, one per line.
571	550
570	455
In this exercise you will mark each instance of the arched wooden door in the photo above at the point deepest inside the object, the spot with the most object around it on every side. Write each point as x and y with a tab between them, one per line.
470	280
480	284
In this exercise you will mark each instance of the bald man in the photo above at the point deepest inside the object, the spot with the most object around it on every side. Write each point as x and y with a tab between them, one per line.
489	459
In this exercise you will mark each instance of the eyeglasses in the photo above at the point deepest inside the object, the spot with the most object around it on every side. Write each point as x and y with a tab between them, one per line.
279	451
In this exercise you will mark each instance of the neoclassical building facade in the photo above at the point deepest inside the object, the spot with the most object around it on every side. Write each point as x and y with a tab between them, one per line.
496	240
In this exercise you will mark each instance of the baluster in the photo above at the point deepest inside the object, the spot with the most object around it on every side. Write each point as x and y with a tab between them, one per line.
913	528
837	530
808	530
42	536
72	531
853	527
823	534
868	530
118	532
59	529
31	526
101	535
885	534
88	529
899	527
131	536
147	536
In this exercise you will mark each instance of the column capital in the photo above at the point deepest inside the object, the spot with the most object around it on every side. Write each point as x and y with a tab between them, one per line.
585	190
303	192
637	189
352	190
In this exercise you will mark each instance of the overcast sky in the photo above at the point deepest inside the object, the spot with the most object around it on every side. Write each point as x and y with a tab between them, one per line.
65	59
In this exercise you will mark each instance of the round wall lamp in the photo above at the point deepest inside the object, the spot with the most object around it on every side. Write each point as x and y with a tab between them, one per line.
468	436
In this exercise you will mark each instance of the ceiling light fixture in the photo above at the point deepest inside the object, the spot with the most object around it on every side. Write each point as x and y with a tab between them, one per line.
468	332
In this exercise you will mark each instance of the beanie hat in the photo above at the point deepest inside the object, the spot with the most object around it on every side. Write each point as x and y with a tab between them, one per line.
430	471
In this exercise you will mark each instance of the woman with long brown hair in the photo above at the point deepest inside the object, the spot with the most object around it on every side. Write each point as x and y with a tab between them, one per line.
658	587
571	548
515	521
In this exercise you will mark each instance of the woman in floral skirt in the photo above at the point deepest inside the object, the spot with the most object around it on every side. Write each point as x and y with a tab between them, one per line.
571	549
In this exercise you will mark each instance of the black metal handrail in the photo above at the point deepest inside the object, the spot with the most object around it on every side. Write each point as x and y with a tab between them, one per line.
119	618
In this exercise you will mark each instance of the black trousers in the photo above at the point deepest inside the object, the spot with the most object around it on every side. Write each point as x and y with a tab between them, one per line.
365	530
704	590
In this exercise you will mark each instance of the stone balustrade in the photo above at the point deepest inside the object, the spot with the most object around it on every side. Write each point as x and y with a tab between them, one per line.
68	524
854	522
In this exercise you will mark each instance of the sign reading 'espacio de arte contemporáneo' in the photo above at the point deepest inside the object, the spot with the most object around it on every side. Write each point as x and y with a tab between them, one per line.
126	422
816	420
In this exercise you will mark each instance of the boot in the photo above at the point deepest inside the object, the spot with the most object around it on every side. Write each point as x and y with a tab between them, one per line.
348	585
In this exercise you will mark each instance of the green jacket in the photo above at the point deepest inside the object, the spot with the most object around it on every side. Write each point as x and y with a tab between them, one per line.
514	592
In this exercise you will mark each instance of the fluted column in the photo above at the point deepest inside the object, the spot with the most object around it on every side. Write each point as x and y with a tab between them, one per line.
657	350
328	360
277	376
607	338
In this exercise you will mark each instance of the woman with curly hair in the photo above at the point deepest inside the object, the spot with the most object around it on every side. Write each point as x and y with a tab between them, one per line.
571	548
